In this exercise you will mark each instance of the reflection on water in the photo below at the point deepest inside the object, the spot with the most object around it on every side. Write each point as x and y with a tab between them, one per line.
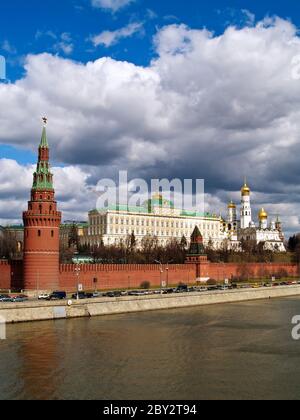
217	352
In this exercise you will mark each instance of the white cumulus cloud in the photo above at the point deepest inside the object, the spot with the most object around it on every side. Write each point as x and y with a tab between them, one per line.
111	5
213	107
110	38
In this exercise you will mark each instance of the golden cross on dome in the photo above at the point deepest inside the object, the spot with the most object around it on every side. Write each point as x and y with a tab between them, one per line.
45	120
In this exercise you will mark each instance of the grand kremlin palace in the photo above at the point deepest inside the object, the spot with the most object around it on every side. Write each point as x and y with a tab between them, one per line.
157	217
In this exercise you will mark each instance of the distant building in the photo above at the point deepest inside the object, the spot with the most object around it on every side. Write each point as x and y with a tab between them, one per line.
267	232
157	217
69	228
14	233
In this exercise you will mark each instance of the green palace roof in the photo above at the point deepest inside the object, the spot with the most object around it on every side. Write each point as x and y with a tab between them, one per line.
149	210
79	224
15	227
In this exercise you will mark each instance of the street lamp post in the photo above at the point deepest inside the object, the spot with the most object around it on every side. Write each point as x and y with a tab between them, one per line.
11	282
167	269
77	270
37	283
161	273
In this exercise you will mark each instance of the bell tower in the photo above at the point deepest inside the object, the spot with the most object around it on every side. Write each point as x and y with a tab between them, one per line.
246	212
41	227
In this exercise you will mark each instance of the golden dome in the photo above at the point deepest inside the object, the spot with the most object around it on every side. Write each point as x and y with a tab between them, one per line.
245	190
262	215
157	196
232	205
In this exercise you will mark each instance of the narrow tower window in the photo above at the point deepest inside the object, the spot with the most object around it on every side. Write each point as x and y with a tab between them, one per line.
39	233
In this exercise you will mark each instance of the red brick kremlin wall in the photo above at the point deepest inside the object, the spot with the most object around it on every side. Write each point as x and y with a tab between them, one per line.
11	275
219	271
131	276
124	276
5	275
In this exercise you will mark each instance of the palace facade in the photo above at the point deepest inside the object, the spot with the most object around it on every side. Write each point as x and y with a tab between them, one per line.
156	218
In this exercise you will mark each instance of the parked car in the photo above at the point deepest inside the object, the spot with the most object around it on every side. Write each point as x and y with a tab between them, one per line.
5	298
82	295
97	294
182	288
43	296
156	292
136	293
112	294
57	296
202	289
19	299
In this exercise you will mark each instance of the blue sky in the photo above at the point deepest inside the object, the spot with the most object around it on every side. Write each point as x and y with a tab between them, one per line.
31	26
34	27
217	105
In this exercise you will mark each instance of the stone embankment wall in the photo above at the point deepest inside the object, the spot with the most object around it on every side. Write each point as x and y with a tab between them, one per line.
40	311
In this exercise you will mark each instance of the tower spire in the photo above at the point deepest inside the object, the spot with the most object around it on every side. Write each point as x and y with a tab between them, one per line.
44	140
43	178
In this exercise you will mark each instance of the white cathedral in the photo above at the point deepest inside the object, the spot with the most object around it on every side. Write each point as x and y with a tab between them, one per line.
270	234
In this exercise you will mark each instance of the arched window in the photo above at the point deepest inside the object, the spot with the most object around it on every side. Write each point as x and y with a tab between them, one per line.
39	233
41	209
52	233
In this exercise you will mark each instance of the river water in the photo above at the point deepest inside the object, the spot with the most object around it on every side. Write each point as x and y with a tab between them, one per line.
232	351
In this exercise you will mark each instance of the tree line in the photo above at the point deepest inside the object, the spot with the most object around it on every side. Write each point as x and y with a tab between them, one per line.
127	252
150	250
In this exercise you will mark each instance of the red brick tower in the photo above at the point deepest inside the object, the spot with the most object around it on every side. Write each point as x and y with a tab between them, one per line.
197	256
41	227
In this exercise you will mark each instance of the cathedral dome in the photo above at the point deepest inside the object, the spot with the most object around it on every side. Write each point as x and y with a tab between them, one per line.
231	205
262	215
245	190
